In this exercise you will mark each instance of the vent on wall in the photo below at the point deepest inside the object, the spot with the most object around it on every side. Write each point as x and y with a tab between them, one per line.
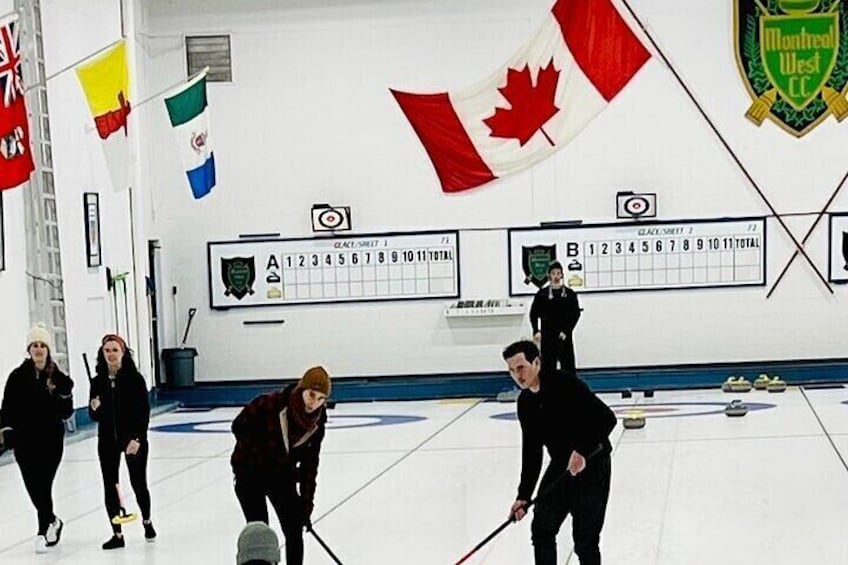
211	51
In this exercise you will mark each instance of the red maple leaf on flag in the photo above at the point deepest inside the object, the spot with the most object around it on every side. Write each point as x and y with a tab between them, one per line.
530	106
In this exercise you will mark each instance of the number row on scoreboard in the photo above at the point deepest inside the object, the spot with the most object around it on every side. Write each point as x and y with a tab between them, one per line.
672	245
356	258
672	261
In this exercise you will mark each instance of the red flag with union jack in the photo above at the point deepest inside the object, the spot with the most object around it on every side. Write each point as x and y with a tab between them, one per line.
15	156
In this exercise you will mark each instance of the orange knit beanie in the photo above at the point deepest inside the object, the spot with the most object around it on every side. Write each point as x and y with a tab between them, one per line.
316	378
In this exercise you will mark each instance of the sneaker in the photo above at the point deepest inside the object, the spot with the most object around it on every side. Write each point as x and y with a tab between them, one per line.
40	544
149	532
115	542
54	531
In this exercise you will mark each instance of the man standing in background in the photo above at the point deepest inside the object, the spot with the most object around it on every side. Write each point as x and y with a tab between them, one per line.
553	315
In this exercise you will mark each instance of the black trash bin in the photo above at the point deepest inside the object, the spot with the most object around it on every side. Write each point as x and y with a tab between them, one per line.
179	366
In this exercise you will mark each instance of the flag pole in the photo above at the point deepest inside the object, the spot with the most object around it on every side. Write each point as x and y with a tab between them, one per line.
71	66
799	248
167	89
172	87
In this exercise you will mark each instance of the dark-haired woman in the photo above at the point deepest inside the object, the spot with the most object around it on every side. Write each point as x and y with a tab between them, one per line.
37	398
119	404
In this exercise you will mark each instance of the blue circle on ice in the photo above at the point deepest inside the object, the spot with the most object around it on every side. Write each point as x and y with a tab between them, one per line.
348	421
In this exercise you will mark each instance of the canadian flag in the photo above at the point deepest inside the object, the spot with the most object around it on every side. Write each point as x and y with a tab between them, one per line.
582	56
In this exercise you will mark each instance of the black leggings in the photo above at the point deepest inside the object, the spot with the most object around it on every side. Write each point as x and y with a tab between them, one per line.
585	498
554	349
110	460
251	495
38	469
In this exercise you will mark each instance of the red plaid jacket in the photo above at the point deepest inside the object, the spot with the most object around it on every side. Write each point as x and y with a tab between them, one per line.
261	453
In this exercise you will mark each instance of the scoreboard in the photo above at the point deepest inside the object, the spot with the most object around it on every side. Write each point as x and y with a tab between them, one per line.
274	272
640	256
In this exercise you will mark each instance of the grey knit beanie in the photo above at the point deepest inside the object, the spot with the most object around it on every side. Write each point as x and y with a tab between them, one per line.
258	542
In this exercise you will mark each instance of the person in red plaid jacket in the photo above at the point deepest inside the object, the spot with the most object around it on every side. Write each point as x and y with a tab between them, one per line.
278	443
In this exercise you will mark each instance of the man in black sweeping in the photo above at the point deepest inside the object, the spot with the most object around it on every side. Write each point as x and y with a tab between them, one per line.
558	411
553	315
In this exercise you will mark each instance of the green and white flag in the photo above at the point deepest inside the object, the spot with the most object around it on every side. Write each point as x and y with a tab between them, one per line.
189	116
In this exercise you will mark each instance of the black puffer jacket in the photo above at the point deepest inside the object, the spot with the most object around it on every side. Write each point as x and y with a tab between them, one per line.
34	414
124	411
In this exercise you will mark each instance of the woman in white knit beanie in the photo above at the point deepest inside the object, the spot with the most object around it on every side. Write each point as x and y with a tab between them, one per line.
36	401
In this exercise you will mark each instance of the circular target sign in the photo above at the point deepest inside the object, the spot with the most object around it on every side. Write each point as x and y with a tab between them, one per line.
330	219
636	205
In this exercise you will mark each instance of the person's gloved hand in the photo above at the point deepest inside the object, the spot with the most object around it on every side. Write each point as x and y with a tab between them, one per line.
308	506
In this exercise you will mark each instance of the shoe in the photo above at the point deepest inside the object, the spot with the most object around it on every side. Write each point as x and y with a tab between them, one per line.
149	532
40	544
54	531
115	542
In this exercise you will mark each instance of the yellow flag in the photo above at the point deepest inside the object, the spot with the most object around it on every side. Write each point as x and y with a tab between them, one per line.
105	81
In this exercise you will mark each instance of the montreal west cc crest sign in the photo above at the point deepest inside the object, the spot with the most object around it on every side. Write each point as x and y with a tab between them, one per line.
793	58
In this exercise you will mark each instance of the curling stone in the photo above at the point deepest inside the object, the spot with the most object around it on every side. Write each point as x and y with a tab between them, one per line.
626	393
634	420
776	384
736	384
735	409
649	393
761	382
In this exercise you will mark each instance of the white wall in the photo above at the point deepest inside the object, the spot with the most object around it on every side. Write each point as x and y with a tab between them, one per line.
309	118
14	316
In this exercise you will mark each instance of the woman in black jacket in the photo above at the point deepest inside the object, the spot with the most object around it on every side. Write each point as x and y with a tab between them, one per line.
119	404
37	398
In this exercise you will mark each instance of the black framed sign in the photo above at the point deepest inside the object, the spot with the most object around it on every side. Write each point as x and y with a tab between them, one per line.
388	266
641	256
2	236
91	213
838	253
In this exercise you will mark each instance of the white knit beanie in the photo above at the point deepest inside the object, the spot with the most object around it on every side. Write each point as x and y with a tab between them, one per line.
39	333
258	542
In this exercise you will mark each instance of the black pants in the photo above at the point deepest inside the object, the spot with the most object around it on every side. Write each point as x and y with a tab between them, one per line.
110	460
38	468
553	349
585	498
252	492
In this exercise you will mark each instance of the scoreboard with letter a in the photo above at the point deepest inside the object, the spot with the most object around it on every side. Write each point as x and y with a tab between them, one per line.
641	256
274	272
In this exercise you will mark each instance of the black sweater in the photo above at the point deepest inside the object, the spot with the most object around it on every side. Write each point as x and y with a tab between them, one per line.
124	411
33	413
564	416
558	312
